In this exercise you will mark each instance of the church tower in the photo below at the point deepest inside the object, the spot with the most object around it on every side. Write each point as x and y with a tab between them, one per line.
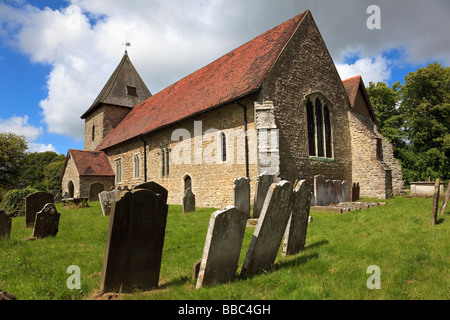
124	90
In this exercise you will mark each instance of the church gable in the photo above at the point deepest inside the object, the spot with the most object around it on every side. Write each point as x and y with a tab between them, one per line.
359	100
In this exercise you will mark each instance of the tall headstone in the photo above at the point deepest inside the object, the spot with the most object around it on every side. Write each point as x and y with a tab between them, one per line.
242	195
134	242
320	190
46	223
35	202
189	201
355	192
435	203
269	231
346	191
5	226
295	235
330	195
263	183
222	247
156	188
445	200
338	195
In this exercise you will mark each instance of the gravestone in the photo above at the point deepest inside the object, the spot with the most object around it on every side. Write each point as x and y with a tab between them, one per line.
346	192
46	223
355	192
222	247
156	188
338	196
295	235
445	200
242	195
269	231
107	200
435	203
263	183
189	201
5	225
134	242
330	195
320	190
35	202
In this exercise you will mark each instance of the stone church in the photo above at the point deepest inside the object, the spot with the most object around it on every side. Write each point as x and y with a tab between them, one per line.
275	104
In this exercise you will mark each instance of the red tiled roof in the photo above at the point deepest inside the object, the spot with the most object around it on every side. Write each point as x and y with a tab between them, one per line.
230	77
351	86
91	163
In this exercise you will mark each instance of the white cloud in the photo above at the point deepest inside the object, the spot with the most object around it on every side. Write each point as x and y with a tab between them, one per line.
371	69
20	126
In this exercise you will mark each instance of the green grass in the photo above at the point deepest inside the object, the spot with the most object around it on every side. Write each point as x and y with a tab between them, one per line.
414	257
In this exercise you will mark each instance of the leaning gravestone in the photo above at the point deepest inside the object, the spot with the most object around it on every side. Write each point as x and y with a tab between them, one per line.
35	202
269	231
242	195
134	242
445	200
189	201
434	211
5	225
156	188
295	235
263	183
222	247
46	223
107	199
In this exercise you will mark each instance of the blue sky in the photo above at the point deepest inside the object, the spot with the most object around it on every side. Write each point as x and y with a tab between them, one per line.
55	56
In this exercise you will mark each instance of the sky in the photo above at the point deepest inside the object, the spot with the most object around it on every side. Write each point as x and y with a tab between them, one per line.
56	56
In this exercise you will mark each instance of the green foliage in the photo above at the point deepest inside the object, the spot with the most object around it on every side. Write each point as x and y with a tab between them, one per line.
14	200
52	174
35	165
12	155
415	118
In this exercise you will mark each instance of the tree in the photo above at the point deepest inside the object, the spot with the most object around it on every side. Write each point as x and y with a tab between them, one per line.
426	104
12	155
52	174
33	174
386	104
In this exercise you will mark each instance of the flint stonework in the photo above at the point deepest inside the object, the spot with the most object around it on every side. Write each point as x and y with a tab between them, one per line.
34	203
135	242
46	223
263	183
295	235
5	225
189	201
242	195
222	247
269	232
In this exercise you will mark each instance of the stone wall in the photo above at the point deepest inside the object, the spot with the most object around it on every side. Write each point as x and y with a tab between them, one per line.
212	183
304	68
71	174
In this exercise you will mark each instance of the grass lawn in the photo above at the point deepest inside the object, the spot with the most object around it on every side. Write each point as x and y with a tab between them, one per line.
413	257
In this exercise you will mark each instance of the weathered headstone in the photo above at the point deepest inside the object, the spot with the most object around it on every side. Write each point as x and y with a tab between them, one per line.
107	200
134	242
435	203
346	192
355	192
156	188
445	200
295	235
338	195
263	183
320	190
329	197
46	223
5	225
222	247
57	198
35	202
269	232
242	195
189	201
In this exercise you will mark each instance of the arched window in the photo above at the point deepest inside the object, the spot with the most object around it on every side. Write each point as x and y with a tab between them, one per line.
136	166
223	144
320	135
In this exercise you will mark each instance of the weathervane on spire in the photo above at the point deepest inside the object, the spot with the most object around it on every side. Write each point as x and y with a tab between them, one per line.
126	44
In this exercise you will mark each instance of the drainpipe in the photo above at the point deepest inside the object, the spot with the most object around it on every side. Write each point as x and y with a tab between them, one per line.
145	157
246	139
